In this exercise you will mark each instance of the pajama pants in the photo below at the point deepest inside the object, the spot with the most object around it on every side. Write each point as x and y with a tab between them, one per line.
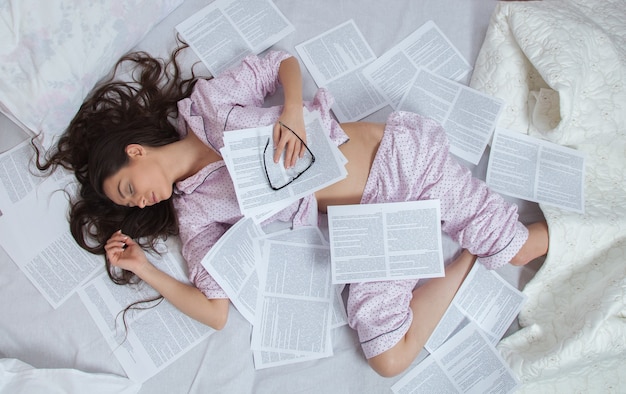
413	163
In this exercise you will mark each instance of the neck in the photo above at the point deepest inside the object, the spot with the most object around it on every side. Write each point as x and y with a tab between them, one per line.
188	156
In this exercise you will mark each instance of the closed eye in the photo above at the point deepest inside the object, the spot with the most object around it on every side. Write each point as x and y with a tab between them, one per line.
130	193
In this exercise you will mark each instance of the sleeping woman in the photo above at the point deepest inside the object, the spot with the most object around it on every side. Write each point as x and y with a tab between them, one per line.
146	155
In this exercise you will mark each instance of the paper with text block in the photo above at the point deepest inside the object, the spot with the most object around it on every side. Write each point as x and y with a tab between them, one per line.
34	228
467	363
484	298
467	115
536	170
226	31
427	47
336	59
371	242
155	334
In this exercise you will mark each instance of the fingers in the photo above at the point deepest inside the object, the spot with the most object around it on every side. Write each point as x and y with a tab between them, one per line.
117	240
288	144
116	245
276	136
302	150
279	142
292	150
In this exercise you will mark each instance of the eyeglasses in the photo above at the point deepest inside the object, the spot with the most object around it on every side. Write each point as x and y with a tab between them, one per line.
279	177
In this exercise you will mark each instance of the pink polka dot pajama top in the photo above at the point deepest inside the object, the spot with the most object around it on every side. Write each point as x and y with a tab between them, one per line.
412	163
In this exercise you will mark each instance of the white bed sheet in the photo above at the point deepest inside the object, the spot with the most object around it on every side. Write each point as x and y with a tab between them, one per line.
67	338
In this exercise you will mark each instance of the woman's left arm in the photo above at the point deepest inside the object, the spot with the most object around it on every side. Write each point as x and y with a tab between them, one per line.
290	77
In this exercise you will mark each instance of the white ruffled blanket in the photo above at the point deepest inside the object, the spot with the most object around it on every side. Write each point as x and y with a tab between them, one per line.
561	67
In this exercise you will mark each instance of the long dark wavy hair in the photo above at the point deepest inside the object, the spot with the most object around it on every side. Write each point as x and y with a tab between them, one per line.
138	110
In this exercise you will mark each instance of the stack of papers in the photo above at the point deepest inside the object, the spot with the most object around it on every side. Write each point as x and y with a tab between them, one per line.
281	284
244	151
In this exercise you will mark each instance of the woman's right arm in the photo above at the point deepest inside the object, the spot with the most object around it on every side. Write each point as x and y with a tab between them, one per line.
124	253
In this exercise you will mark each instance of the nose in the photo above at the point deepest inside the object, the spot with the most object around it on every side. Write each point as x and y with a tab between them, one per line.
141	203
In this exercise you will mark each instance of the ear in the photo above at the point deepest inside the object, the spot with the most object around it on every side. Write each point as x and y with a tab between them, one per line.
135	150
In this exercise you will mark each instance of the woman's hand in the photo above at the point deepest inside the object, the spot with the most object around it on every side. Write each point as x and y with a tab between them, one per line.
290	123
292	117
123	252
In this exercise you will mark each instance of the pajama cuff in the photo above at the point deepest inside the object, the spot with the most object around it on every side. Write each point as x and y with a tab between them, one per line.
383	342
503	256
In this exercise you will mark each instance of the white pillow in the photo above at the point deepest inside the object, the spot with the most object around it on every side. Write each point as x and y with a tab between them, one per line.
53	52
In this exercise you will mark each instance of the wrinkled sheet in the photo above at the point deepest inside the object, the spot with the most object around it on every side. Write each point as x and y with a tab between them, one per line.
561	67
17	376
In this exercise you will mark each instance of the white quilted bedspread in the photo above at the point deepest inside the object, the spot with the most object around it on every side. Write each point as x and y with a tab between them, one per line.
561	67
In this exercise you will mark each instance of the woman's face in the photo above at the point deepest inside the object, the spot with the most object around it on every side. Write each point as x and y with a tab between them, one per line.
141	183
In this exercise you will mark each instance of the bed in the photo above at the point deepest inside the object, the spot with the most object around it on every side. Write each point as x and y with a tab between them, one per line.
571	333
